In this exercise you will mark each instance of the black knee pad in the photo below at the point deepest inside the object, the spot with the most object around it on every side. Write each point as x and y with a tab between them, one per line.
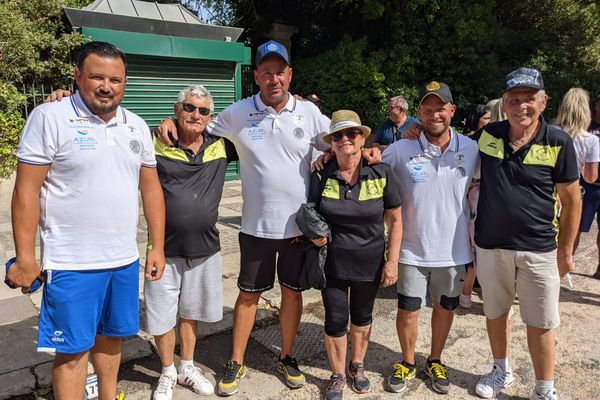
407	303
449	303
336	326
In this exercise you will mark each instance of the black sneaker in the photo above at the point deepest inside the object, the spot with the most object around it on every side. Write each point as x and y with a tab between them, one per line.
228	385
335	388
403	372
439	376
294	378
360	382
597	273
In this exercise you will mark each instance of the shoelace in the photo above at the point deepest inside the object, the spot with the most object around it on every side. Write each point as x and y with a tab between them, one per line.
358	370
400	371
291	365
495	379
547	396
336	383
439	370
194	374
165	383
231	371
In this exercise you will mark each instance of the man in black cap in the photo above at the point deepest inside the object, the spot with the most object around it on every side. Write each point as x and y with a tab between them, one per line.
435	169
522	247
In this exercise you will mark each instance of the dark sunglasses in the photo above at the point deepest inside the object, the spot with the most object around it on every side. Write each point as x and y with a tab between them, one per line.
187	107
336	137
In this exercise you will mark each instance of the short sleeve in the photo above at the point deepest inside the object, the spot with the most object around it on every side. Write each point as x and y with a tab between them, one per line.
223	124
39	140
148	157
322	129
314	190
391	194
566	169
594	150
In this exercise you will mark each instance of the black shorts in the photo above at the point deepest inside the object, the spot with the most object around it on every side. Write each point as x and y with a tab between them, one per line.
260	257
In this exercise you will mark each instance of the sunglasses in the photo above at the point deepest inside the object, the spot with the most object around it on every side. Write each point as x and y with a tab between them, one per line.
187	107
336	137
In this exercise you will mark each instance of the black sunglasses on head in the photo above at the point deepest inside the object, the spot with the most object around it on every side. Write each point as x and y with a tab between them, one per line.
187	107
336	137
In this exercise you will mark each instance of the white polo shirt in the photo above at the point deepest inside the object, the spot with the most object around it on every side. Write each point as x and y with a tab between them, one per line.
275	151
435	211
89	200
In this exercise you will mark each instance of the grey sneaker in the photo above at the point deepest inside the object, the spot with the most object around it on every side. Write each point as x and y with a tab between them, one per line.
491	384
398	381
360	382
335	388
549	395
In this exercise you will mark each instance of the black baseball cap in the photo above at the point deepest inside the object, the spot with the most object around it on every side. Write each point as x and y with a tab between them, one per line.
524	77
439	89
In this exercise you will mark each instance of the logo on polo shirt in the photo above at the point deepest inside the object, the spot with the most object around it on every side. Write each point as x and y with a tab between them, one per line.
460	172
85	140
83	132
299	133
298	119
459	159
135	146
542	154
417	172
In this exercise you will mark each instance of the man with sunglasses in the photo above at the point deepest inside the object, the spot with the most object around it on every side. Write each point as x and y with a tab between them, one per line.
435	172
191	173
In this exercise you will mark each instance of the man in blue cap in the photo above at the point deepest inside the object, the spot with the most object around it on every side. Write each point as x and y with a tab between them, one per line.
524	163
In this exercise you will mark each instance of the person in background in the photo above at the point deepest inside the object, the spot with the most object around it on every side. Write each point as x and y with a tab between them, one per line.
497	114
477	119
354	198
398	121
313	98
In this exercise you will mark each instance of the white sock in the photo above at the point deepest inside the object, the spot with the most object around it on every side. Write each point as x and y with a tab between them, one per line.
170	371
502	363
185	363
543	387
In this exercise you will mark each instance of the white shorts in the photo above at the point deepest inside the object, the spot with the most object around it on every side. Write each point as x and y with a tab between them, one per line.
190	288
532	276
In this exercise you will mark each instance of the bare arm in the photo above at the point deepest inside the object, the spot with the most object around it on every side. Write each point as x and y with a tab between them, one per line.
25	210
166	132
570	197
590	172
389	275
154	211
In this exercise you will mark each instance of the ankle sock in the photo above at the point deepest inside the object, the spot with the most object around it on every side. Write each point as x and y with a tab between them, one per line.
184	363
170	371
543	387
502	363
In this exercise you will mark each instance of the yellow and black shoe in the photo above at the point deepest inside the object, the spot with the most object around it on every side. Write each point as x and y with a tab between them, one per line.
228	385
439	376
294	378
403	372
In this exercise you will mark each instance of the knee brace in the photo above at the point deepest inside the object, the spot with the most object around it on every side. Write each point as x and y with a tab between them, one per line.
407	303
449	303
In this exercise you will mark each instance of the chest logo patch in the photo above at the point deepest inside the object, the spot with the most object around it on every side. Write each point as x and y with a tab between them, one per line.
298	133
298	119
460	172
459	159
135	146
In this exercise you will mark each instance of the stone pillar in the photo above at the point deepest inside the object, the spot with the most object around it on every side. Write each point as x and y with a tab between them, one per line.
283	33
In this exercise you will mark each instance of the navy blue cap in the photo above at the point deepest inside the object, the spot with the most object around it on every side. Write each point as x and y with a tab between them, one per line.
271	48
440	89
524	77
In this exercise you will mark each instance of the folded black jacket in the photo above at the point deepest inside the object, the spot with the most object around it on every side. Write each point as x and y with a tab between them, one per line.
313	226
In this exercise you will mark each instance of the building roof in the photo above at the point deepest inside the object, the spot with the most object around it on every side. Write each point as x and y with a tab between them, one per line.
148	17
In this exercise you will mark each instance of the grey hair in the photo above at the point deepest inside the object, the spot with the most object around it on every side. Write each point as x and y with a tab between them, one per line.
399	101
198	91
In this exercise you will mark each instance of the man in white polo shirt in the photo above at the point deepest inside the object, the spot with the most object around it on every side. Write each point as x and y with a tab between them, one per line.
435	172
81	162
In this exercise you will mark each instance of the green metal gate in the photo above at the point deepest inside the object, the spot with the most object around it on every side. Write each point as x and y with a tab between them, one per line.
153	84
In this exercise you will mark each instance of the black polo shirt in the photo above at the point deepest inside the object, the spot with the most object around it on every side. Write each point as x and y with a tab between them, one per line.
517	202
192	187
356	217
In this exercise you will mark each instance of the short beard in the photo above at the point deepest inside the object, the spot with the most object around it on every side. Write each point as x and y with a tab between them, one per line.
97	108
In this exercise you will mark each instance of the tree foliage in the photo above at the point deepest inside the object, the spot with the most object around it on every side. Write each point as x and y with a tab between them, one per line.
35	48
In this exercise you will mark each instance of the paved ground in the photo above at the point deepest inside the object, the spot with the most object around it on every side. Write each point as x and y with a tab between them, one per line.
25	374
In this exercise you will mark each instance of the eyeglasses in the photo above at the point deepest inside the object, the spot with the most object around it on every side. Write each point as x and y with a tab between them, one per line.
337	136
187	107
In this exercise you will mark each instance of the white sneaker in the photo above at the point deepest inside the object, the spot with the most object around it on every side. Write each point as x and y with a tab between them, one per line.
192	376
550	395
164	390
491	384
464	300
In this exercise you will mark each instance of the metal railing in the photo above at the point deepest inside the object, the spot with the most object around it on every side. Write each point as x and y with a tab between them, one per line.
36	94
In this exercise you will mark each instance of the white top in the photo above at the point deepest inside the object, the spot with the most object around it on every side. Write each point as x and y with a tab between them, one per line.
435	210
587	148
275	151
89	200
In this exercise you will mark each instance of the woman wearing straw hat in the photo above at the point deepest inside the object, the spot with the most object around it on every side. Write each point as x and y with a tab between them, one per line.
354	198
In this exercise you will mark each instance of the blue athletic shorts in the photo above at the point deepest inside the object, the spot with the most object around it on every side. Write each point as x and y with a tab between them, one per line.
591	206
78	305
